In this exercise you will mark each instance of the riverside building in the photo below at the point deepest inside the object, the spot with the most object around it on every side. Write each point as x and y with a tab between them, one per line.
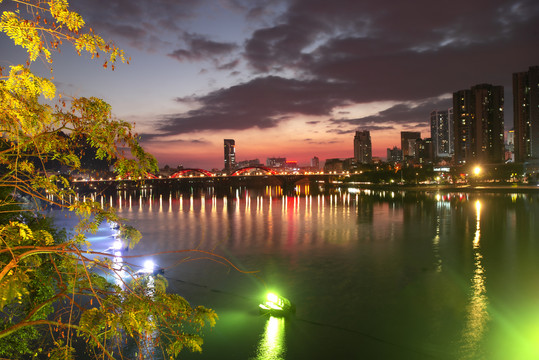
479	124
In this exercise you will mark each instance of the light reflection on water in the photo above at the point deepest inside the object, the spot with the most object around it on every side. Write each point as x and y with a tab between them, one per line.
408	268
272	344
476	311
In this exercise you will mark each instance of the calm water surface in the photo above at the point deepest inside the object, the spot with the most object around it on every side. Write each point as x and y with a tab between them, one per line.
374	275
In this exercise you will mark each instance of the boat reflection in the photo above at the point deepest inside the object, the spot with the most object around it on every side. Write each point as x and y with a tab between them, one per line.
272	342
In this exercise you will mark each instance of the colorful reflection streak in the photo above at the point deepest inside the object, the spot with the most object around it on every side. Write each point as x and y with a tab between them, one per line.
476	311
272	344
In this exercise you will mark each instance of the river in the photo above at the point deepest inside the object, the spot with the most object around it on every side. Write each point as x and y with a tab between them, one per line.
373	274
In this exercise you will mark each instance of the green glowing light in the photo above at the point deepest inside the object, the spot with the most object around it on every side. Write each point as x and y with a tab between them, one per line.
272	297
276	305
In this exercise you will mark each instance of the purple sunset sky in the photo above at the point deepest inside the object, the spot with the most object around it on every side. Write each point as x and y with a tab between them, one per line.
293	78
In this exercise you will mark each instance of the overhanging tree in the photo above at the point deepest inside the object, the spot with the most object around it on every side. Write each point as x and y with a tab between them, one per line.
49	282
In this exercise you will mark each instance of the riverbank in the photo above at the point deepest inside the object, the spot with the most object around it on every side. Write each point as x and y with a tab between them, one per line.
447	188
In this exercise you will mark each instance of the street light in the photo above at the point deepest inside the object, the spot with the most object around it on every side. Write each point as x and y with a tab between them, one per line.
477	170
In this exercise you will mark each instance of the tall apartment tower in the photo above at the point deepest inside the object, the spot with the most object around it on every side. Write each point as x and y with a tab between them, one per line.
230	154
478	124
526	114
441	132
363	147
408	140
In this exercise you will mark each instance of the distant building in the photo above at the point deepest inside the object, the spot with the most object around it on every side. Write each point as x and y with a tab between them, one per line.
479	124
394	155
334	165
408	140
230	154
441	132
276	162
363	147
526	114
291	165
315	163
248	163
350	164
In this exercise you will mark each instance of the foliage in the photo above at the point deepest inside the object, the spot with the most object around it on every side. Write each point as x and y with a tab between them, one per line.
48	283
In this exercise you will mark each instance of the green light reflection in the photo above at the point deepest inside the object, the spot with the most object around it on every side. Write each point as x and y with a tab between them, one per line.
476	311
272	342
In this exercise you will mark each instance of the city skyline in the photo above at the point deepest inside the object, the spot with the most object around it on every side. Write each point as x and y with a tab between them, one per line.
288	78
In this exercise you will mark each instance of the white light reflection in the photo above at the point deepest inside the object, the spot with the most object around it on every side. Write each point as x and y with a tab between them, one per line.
272	342
476	311
436	246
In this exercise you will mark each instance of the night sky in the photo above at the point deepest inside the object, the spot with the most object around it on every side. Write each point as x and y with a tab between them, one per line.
289	78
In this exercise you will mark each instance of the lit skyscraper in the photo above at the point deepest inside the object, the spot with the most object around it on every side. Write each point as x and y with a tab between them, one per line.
363	147
441	132
230	154
479	124
526	114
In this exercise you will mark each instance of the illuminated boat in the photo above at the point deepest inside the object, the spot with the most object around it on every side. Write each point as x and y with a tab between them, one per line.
150	268
276	305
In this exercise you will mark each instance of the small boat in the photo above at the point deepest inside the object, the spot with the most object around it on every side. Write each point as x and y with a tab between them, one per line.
276	305
150	268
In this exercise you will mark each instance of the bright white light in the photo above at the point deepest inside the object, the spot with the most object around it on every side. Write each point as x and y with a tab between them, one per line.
149	265
117	245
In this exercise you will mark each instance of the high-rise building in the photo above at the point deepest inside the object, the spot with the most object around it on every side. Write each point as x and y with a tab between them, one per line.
441	132
526	114
230	154
424	151
479	124
394	155
363	147
408	140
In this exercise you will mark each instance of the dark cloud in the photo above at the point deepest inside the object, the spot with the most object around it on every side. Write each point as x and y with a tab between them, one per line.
229	66
279	47
326	142
368	127
373	44
265	102
311	56
142	24
149	137
399	114
262	103
201	48
344	52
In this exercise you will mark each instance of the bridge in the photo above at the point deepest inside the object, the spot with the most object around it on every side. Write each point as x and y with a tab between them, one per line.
248	176
183	172
250	169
